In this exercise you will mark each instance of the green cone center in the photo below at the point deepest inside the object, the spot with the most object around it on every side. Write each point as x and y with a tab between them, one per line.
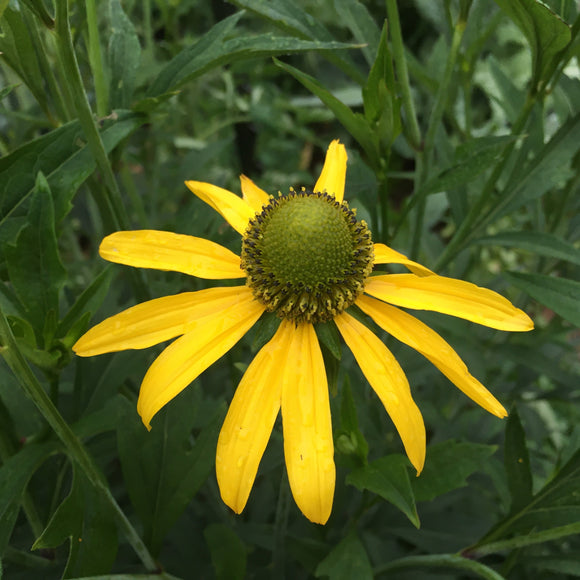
306	255
307	241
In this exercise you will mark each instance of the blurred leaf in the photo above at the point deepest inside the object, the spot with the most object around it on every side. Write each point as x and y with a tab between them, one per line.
381	105
228	552
389	478
554	506
559	294
545	31
293	19
85	519
447	467
346	561
349	438
214	50
4	92
18	52
328	335
59	156
354	123
517	462
568	563
34	265
3	4
89	301
510	97
124	56
470	160
38	8
540	243
15	473
545	171
162	469
356	17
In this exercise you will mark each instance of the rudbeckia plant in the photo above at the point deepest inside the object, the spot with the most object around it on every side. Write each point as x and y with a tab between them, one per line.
306	257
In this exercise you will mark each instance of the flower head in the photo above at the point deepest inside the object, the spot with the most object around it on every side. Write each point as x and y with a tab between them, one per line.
307	258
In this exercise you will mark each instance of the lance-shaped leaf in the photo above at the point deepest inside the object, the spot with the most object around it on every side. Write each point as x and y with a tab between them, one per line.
34	267
559	294
218	47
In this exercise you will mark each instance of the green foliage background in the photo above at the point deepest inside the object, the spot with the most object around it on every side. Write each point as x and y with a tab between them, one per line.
462	123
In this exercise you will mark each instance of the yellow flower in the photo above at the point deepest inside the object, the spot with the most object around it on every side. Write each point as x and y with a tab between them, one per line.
305	257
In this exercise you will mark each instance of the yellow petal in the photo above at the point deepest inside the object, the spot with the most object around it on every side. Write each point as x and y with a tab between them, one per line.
233	209
386	255
254	196
183	360
308	444
158	320
174	252
333	173
449	296
388	380
419	336
249	422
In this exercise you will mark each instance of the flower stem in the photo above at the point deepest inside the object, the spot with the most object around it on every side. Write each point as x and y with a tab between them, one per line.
117	217
75	449
527	540
434	122
414	133
96	60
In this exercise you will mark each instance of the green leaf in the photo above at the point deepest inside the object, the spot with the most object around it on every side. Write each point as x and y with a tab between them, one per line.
293	19
470	160
559	294
18	51
517	462
328	335
162	469
349	438
447	467
567	564
85	519
545	171
34	265
389	478
356	17
59	157
89	301
354	123
346	561
38	8
124	56
382	107
15	473
228	552
546	32
214	49
540	243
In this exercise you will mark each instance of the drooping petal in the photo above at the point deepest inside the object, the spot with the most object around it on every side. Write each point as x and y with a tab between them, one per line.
253	195
158	320
174	252
249	422
333	174
386	255
423	339
233	208
449	296
308	444
389	382
207	339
